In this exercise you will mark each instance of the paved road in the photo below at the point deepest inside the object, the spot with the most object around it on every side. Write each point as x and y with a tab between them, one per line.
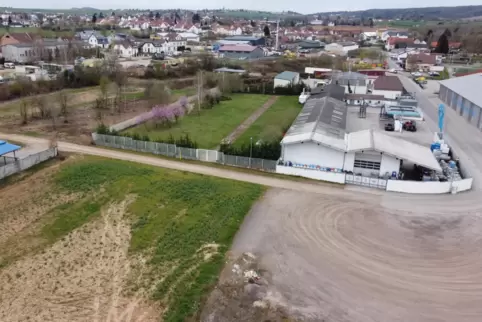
464	138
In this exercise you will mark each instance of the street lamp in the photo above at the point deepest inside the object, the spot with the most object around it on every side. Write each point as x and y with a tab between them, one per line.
250	150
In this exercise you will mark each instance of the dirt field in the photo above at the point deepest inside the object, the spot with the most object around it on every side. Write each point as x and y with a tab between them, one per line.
339	260
80	277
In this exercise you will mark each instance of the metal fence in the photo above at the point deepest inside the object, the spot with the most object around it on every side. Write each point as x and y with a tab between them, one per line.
27	162
171	150
366	181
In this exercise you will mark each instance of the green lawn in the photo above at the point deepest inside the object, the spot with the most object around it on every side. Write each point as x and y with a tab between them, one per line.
177	219
212	125
270	124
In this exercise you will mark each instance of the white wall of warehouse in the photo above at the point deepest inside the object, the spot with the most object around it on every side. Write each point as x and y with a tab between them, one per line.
389	164
387	94
349	161
312	153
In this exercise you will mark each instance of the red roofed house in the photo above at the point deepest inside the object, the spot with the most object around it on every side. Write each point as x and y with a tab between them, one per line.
241	52
395	42
12	38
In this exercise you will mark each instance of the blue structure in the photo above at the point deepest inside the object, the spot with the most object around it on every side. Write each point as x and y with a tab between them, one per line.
6	147
441	116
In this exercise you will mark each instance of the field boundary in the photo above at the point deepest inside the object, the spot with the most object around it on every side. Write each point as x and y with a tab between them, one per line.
27	162
173	151
250	120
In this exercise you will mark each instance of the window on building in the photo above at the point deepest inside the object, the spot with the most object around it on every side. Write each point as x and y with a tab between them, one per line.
367	165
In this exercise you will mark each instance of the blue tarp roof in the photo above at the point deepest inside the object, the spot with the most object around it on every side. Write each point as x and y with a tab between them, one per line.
6	147
289	76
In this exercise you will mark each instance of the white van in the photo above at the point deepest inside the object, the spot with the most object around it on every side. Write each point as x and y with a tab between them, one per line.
9	65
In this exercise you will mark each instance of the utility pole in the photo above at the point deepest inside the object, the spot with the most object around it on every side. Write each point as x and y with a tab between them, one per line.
277	34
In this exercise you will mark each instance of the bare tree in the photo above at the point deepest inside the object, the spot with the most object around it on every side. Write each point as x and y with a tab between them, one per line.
64	104
24	104
44	110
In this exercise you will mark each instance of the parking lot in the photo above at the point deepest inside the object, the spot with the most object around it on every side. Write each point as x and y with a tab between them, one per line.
372	121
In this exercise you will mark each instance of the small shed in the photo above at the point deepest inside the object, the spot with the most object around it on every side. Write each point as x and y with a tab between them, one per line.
286	79
6	148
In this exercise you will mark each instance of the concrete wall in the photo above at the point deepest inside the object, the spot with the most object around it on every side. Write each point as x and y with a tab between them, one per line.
312	174
431	187
387	94
312	153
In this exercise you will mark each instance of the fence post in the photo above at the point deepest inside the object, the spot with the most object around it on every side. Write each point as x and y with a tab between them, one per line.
262	164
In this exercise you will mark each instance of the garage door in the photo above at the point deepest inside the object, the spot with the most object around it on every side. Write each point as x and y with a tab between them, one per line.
475	111
367	164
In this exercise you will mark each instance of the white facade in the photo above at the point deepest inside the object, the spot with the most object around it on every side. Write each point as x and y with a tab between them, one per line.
387	94
313	153
122	51
189	36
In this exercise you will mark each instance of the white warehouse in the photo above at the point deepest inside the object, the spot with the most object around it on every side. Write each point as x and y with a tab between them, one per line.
317	146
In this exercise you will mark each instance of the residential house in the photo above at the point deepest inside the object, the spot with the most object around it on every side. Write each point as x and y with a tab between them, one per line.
421	62
125	49
393	34
452	45
16	38
85	35
241	52
388	86
397	42
286	79
98	41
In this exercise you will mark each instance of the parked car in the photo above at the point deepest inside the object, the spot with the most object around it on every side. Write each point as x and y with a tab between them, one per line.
389	127
417	74
393	70
434	74
9	65
410	126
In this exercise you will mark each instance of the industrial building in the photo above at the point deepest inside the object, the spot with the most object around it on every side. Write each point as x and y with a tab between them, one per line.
318	146
464	95
243	39
388	87
240	52
286	79
354	83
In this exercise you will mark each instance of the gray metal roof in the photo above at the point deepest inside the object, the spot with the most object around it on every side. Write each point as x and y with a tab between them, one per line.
286	75
468	87
326	116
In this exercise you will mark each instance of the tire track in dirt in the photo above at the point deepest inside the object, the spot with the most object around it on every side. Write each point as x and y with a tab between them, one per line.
341	260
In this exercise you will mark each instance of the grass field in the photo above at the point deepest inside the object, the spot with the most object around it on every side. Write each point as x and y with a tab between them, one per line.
212	125
180	227
270	124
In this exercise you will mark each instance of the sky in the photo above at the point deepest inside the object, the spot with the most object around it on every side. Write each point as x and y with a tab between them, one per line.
308	6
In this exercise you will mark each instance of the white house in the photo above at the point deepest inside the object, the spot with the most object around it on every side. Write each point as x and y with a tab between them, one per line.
393	33
388	86
317	146
124	49
98	41
189	36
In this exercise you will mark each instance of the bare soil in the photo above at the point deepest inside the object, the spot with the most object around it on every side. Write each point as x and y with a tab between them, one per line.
336	259
77	126
82	277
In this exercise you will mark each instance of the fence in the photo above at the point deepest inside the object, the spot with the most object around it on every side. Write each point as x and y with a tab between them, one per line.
27	162
171	150
366	181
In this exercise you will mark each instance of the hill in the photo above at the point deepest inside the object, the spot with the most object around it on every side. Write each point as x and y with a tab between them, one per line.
428	13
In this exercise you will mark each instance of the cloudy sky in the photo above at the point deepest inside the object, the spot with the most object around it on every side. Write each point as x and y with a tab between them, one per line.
307	6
